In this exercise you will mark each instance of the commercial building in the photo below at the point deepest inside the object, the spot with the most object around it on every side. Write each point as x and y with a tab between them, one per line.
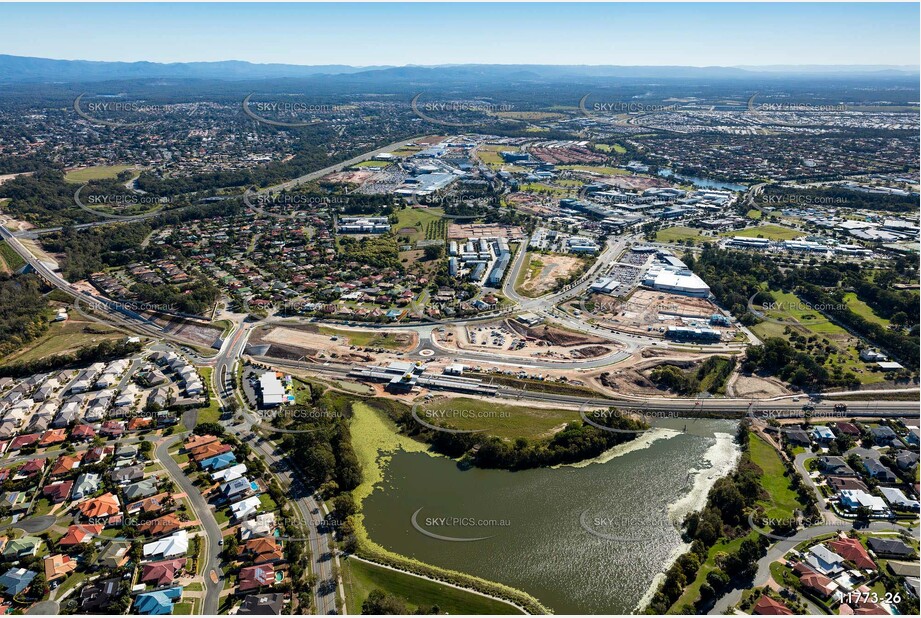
363	225
676	281
271	389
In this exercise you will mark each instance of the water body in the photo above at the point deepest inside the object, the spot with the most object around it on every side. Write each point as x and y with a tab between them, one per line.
704	183
591	538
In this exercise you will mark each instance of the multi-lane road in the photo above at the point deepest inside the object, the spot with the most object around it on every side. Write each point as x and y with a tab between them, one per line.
309	510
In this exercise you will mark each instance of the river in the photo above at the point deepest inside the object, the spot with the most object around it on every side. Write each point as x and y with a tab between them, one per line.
590	538
704	183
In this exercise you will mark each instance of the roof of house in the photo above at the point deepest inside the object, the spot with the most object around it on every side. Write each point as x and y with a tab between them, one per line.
16	580
892	547
158	602
98	595
161	525
23	546
57	492
80	533
818	582
150	504
141	489
262	549
105	505
162	573
853	550
766	606
66	463
58	565
262	605
256	577
175	544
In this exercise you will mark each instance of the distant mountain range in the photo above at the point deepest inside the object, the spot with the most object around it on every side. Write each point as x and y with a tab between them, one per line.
22	69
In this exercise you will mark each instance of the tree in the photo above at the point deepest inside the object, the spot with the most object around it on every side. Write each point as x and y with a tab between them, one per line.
382	603
434	252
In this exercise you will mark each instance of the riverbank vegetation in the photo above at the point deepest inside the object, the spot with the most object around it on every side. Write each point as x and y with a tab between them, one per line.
372	588
709	377
723	547
576	441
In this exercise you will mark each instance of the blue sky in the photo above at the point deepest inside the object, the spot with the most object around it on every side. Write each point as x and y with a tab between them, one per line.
397	34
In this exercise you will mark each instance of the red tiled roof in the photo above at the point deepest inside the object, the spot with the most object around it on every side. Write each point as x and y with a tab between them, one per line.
851	549
766	606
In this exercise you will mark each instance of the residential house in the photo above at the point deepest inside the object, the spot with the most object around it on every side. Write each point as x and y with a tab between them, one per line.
884	436
832	465
141	489
824	561
115	555
96	597
889	548
246	507
766	606
101	507
22	548
16	580
162	573
158	602
255	577
80	533
59	566
87	484
127	474
262	525
875	469
852	550
262	549
159	526
262	605
174	545
57	492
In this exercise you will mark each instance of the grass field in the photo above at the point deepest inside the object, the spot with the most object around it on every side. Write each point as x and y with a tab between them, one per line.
677	234
489	154
533	268
373	164
502	420
754	213
794	311
782	501
604	170
98	172
539	187
64	337
863	309
610	147
770	231
361	578
419	219
212	413
367	338
9	258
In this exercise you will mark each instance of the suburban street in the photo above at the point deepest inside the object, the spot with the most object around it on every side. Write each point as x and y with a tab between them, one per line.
212	538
